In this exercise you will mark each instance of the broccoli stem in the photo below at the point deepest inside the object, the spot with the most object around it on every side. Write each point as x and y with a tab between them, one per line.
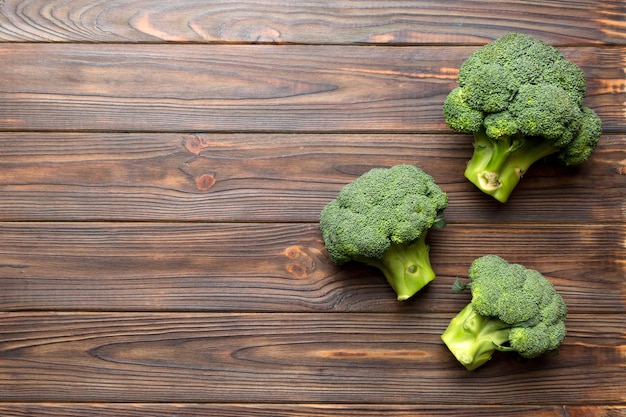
497	165
473	338
406	267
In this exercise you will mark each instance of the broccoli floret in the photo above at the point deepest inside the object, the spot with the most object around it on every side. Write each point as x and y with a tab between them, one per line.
522	101
381	219
513	309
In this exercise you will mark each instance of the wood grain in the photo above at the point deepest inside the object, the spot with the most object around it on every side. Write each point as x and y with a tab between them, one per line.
275	177
279	357
298	410
162	169
281	267
345	22
195	88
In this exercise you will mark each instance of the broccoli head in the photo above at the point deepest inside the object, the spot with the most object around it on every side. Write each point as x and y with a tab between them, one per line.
513	309
522	101
381	219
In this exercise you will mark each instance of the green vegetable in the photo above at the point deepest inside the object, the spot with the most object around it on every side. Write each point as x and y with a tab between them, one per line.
513	309
522	101
381	219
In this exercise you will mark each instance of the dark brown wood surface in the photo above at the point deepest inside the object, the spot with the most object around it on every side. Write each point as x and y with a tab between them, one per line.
162	169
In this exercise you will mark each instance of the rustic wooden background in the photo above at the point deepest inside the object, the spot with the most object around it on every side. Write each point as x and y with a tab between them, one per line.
162	169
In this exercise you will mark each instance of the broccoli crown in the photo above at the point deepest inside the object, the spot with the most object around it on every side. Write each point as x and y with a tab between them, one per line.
523	299
381	208
518	85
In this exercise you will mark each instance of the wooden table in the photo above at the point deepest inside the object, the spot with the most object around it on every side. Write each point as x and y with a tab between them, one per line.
162	169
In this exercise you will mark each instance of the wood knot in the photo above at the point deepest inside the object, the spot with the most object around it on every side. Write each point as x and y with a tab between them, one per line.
303	265
193	144
205	182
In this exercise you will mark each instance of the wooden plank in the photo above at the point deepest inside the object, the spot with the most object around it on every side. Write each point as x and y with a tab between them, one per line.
275	177
299	410
281	267
365	21
191	88
328	358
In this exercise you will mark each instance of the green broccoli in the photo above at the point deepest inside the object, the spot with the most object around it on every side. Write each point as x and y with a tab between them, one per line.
513	309
522	101
381	219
